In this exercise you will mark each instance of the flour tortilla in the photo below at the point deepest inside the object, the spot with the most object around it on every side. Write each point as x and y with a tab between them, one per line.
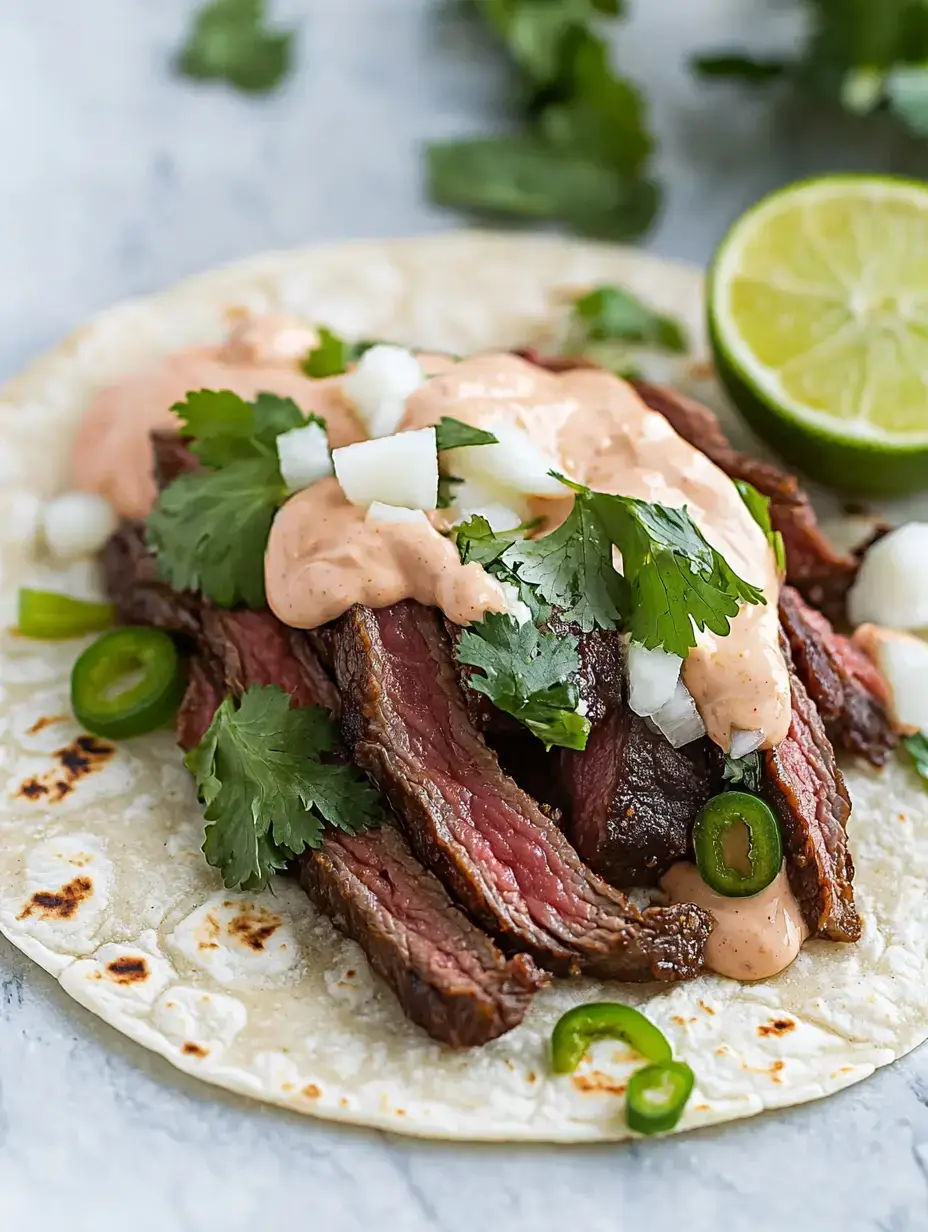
103	884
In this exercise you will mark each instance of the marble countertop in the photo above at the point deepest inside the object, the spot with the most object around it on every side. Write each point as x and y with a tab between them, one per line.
117	181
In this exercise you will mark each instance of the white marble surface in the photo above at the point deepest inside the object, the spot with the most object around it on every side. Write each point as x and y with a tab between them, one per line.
117	180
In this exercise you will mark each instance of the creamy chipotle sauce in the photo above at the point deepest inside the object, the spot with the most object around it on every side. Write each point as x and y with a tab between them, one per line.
112	451
323	556
753	938
596	428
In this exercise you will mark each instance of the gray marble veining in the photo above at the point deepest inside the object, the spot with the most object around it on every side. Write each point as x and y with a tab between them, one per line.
116	181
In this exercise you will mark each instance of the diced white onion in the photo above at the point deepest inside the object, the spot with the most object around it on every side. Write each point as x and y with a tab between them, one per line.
515	464
397	470
503	511
744	743
903	663
891	588
652	678
678	720
77	524
384	378
520	612
304	456
379	512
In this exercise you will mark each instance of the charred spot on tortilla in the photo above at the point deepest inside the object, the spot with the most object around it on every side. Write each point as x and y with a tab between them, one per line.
128	970
253	926
58	904
779	1026
83	756
190	1049
50	720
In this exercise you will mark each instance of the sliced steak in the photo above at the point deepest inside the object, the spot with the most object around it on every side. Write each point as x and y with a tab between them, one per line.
846	687
813	566
503	859
631	798
805	787
448	975
140	594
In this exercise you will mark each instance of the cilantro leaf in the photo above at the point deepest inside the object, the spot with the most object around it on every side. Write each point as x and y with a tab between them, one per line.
452	434
612	314
329	358
527	674
209	530
756	70
268	795
227	429
333	354
477	541
571	569
917	748
759	509
229	41
743	773
676	580
447	486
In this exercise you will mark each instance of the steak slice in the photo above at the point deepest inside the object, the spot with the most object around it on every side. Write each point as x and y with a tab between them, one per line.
503	859
847	689
823	575
448	975
805	787
631	798
139	593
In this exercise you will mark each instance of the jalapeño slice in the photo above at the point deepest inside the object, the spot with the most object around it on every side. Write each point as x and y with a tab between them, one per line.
128	682
720	828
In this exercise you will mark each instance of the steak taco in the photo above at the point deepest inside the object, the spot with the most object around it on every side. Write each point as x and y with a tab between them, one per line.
533	782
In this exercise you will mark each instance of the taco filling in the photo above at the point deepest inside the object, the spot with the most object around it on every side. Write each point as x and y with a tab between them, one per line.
520	669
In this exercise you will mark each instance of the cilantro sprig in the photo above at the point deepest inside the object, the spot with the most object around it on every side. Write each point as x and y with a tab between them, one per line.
268	794
759	509
582	154
673	583
865	57
332	354
230	41
608	322
528	674
208	529
917	748
743	773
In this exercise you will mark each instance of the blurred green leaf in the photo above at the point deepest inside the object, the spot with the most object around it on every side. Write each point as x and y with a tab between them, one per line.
229	41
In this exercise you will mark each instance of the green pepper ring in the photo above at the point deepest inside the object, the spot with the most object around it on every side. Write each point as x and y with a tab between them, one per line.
714	821
579	1027
141	706
657	1095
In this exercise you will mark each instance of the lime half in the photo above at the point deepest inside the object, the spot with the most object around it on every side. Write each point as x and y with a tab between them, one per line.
818	314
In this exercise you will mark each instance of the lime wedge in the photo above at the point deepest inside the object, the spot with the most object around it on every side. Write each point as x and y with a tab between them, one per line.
818	315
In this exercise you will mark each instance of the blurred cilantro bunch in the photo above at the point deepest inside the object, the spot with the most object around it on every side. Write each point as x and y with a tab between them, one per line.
581	153
865	55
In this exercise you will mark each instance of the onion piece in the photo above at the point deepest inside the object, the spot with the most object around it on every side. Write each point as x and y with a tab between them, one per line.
678	720
891	588
304	456
384	378
652	678
503	510
743	743
903	662
520	612
515	464
379	512
397	470
77	524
